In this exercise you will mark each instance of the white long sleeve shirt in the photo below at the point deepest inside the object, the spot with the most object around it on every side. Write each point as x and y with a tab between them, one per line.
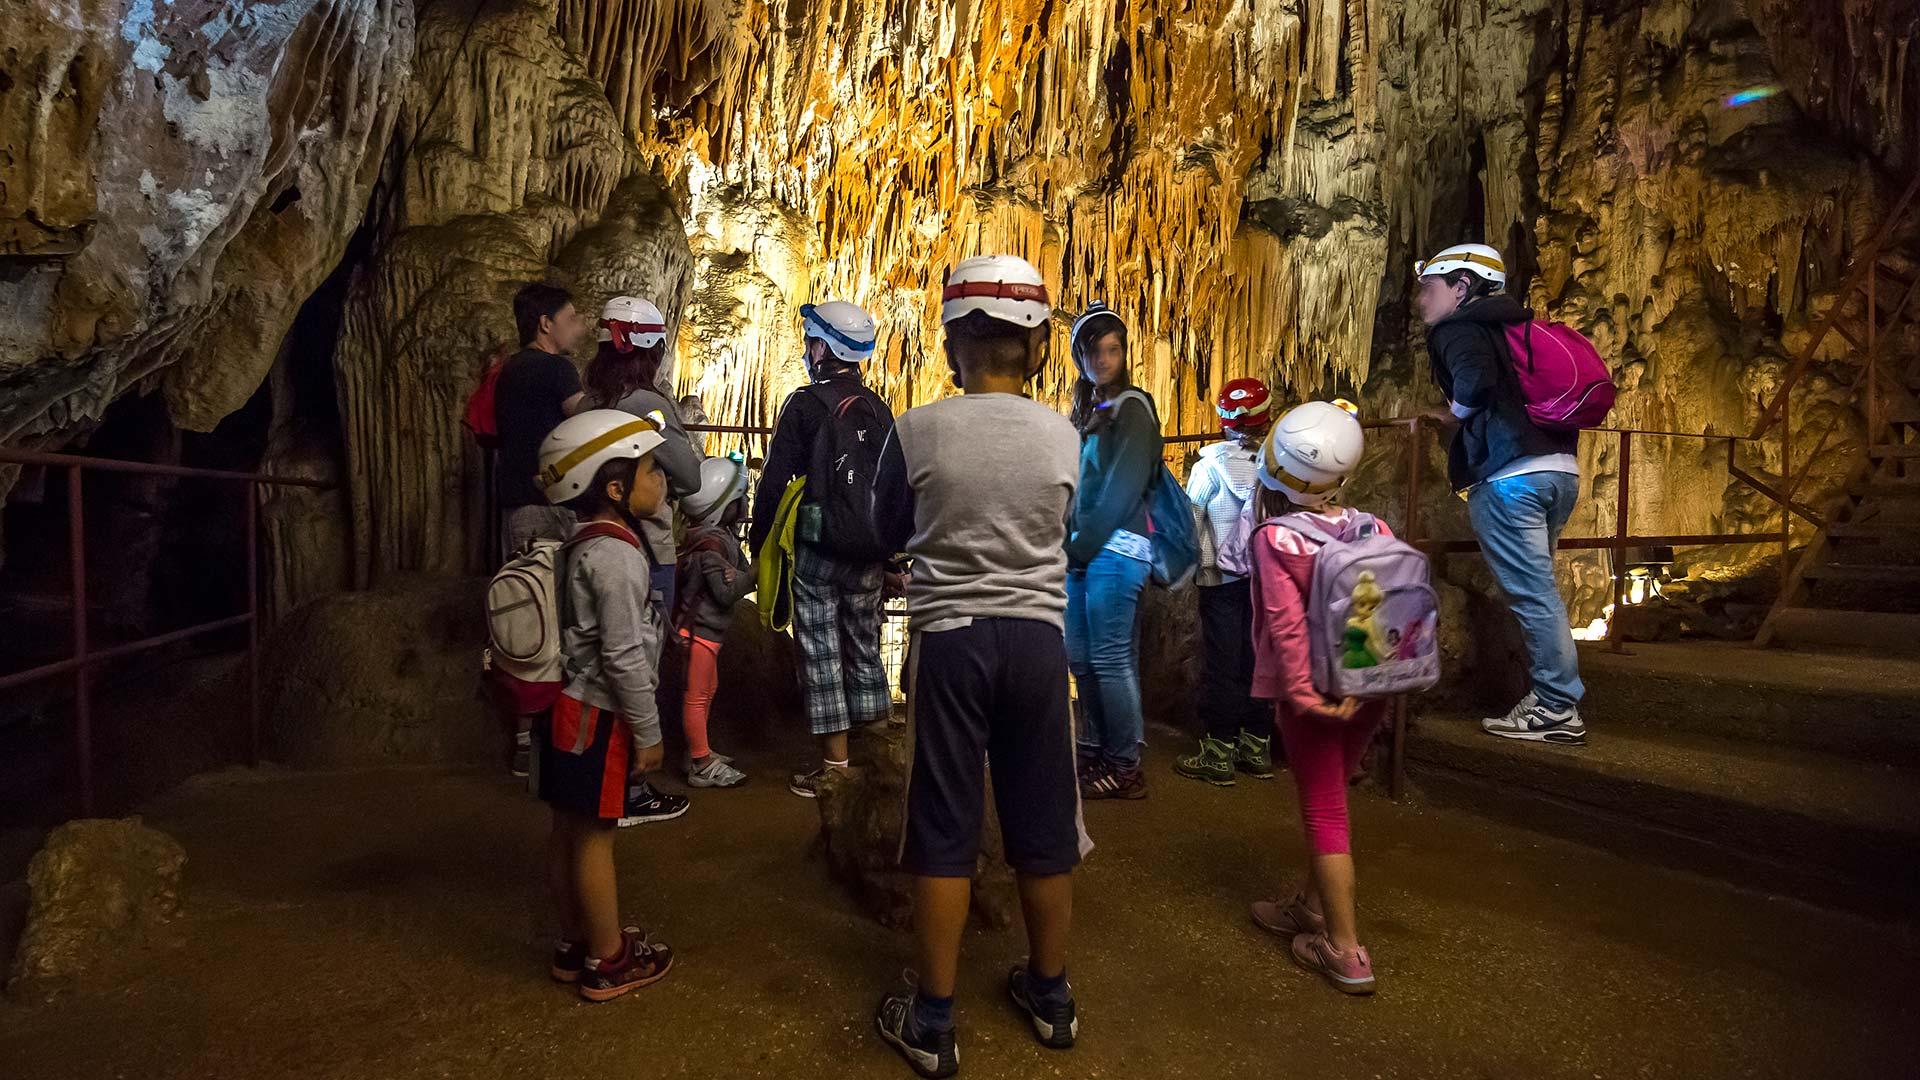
1219	487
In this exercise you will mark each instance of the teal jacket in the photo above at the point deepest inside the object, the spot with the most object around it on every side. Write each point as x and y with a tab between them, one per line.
1119	452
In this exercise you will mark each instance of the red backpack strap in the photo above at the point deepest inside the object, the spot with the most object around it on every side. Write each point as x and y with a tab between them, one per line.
603	528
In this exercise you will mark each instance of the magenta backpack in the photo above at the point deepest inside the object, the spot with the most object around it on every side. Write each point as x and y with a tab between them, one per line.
1563	380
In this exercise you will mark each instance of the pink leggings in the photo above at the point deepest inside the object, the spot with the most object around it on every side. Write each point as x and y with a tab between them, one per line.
1322	755
703	672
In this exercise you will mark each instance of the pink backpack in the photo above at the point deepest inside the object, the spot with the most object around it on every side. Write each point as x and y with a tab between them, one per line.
1563	380
1372	614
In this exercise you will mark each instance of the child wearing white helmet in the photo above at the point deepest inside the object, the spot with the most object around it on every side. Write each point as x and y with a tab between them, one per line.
1305	462
836	590
714	576
1522	481
977	489
605	727
1109	555
625	374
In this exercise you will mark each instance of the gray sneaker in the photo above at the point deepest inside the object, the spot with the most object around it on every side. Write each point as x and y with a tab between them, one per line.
718	771
1531	721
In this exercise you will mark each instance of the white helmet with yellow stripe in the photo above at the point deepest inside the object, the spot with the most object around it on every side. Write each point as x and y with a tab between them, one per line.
1477	259
571	455
1310	452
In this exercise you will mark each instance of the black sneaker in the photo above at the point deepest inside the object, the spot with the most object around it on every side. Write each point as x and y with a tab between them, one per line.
1111	783
933	1055
645	805
1055	1024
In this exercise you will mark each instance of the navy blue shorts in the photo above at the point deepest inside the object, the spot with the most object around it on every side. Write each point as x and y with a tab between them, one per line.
995	689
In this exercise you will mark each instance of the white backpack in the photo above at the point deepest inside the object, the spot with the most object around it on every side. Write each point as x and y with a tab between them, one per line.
1371	611
522	662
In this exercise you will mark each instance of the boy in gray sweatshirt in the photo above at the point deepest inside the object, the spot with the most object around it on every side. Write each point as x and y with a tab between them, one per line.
604	729
984	486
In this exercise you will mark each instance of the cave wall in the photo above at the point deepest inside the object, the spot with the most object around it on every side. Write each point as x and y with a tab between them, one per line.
1247	181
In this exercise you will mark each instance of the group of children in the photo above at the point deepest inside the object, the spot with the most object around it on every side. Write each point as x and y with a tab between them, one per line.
1028	546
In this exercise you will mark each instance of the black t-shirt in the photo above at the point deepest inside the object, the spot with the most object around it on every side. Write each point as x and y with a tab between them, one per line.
529	401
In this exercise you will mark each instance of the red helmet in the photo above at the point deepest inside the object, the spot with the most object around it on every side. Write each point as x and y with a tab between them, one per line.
1244	403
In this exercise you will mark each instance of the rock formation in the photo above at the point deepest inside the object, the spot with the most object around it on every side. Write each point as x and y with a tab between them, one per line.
862	814
100	894
1247	182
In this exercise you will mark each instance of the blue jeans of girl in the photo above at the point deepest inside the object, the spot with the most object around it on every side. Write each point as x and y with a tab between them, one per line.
1102	600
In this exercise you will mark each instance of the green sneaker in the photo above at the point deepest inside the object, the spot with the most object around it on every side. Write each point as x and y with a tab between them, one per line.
1254	755
1214	763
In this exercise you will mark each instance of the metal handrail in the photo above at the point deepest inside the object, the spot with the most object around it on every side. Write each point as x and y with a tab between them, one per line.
85	658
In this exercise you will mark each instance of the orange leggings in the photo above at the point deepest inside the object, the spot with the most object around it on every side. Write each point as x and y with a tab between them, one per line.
703	673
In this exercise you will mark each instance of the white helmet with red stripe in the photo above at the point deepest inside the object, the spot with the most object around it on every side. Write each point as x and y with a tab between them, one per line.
632	323
1310	452
1006	287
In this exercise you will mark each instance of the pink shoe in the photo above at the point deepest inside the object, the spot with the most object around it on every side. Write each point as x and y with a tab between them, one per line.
1287	918
1349	972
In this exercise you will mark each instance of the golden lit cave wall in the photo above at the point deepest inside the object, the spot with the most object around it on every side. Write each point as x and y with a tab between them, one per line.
1111	144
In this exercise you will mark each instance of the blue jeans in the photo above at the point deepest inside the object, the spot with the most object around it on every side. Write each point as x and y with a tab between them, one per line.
1101	602
1518	521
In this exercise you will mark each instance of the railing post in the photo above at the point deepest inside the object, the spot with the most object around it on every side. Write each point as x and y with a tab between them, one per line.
1873	353
82	675
1397	773
1623	503
1787	486
252	492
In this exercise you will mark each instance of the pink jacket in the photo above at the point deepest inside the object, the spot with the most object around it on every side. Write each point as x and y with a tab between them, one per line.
1282	571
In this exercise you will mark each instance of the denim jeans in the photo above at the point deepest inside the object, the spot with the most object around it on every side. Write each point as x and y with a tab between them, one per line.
1518	521
1101	603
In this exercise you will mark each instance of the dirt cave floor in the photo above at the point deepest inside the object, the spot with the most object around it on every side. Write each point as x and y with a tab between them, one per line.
391	925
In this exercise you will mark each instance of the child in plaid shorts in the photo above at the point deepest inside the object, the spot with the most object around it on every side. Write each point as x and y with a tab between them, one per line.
836	602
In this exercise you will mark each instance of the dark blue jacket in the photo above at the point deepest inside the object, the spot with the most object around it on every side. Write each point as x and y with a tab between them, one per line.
1119	453
1474	367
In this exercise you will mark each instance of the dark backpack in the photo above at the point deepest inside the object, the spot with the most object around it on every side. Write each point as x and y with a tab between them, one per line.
846	458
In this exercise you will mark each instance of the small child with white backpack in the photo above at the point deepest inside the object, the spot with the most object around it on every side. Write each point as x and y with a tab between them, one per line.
1343	618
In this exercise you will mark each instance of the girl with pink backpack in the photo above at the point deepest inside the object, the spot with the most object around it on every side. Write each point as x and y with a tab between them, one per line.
1304	463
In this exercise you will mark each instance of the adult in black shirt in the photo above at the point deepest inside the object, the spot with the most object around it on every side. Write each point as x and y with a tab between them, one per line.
538	388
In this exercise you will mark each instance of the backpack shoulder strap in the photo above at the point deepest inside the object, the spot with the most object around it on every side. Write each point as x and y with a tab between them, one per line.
1303	525
595	529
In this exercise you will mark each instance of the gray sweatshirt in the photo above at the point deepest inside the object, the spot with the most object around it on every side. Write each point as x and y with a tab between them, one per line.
714	581
610	634
978	488
677	458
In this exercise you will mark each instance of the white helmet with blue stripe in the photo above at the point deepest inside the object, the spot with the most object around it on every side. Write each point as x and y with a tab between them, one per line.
846	329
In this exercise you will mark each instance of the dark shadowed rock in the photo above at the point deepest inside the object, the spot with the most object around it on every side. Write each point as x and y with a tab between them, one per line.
389	676
862	811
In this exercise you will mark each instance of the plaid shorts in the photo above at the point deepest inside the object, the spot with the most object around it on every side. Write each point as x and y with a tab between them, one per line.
836	620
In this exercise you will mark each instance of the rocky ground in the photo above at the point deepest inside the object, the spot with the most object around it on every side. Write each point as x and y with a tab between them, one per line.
390	924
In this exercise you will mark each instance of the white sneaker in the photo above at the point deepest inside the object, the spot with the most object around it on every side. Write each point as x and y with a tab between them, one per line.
718	772
1531	721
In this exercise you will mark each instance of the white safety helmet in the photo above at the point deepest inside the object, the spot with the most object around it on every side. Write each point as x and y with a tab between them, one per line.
1098	319
632	323
1006	287
1478	259
1309	453
722	480
846	329
571	454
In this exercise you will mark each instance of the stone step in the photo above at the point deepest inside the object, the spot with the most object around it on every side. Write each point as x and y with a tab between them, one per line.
1887	575
1848	704
1893	634
1836	832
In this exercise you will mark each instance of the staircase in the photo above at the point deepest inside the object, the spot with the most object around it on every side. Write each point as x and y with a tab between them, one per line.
1857	584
